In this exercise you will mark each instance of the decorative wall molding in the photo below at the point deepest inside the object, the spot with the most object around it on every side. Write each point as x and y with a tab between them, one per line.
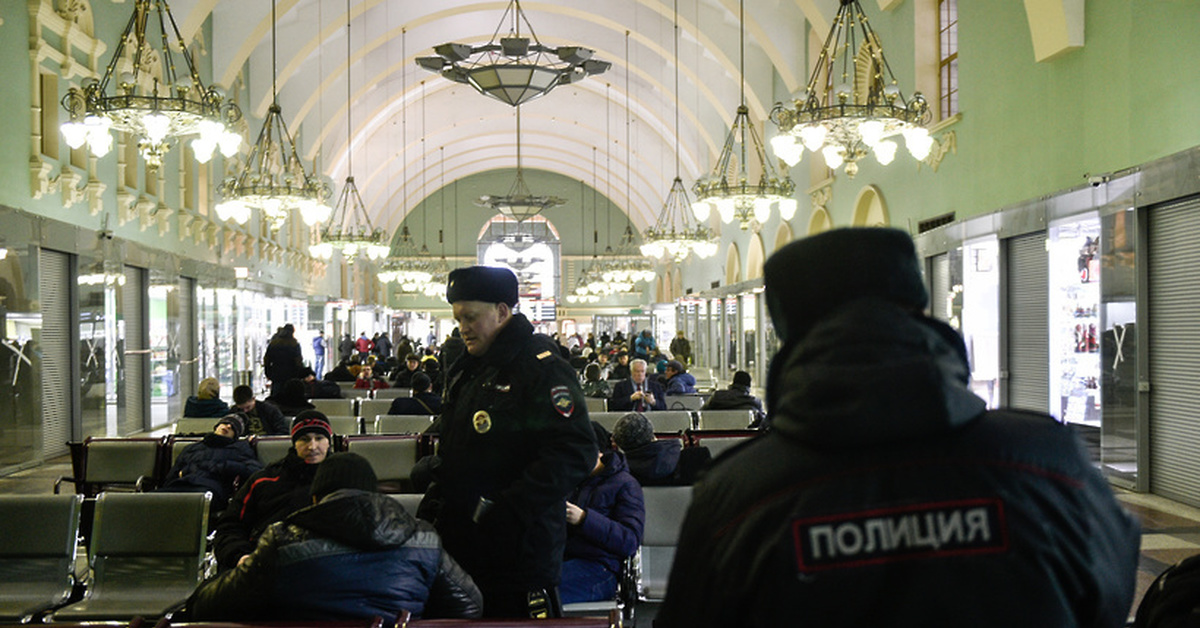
71	21
821	194
942	146
95	195
40	184
67	182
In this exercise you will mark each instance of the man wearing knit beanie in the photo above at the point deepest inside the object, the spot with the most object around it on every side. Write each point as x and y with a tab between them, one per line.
897	497
352	554
280	489
215	463
515	440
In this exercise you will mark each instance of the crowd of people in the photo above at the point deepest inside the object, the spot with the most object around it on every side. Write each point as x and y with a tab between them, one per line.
881	491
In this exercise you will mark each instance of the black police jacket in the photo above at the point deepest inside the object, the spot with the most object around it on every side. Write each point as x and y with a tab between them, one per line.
514	431
886	495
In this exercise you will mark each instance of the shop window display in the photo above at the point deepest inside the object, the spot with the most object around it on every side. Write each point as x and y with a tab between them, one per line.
1075	331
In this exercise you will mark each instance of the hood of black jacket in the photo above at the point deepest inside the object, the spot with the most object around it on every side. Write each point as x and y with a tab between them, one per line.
871	373
368	521
654	460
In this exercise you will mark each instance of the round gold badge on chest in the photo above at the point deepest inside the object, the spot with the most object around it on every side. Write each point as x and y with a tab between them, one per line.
482	421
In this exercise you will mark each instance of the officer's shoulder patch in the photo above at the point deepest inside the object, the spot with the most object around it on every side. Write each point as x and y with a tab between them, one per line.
545	354
560	398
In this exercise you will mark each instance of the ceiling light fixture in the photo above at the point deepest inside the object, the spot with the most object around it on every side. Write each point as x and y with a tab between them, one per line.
513	69
729	188
350	229
154	103
674	235
519	204
848	112
273	179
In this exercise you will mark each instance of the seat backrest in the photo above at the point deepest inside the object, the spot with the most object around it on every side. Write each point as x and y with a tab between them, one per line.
392	457
120	461
345	425
607	419
271	448
670	420
148	540
718	444
725	419
684	402
175	446
402	423
596	404
37	552
195	425
665	509
392	393
335	407
410	501
373	407
39	526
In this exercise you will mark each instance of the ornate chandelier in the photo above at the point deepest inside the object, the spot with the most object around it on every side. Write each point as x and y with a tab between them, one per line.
513	69
663	239
849	112
410	269
273	179
519	204
154	103
731	188
350	229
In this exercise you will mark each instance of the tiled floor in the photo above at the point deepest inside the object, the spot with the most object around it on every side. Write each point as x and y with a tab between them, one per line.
1170	531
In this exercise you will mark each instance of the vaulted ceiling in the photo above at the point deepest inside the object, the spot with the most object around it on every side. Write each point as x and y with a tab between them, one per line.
408	126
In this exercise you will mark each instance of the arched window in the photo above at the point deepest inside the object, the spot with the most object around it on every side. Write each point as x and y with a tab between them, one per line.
531	249
755	258
733	265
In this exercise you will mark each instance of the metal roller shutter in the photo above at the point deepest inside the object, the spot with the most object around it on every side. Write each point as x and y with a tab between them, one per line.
1028	327
54	284
940	287
136	353
1174	352
188	347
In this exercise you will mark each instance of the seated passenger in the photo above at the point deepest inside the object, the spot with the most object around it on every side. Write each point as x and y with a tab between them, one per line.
656	462
402	377
277	491
605	518
639	393
340	373
207	400
431	367
213	464
737	397
319	388
261	418
593	386
886	493
367	380
291	399
422	400
352	554
679	381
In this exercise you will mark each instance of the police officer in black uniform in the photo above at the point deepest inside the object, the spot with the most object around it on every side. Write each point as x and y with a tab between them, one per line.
515	439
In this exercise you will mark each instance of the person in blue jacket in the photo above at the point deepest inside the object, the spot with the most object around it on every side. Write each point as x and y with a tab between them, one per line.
679	381
605	519
214	463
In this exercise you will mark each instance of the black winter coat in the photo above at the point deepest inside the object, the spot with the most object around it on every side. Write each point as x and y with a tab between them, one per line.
282	360
355	555
266	418
885	495
514	430
280	489
213	464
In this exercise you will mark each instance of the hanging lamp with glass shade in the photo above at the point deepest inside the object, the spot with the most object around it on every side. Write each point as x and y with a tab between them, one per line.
152	107
513	69
350	230
274	180
674	235
852	104
519	203
745	184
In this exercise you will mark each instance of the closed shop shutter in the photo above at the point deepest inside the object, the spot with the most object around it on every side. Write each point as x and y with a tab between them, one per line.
54	284
940	282
1028	383
135	356
1174	319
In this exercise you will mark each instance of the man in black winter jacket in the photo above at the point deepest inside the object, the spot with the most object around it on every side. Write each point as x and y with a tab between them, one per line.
885	493
280	489
353	554
215	463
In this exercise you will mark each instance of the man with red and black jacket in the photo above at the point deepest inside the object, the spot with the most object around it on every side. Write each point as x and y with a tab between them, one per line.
281	488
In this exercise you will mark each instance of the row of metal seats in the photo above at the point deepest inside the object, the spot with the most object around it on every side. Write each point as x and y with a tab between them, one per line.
342	424
140	464
680	420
